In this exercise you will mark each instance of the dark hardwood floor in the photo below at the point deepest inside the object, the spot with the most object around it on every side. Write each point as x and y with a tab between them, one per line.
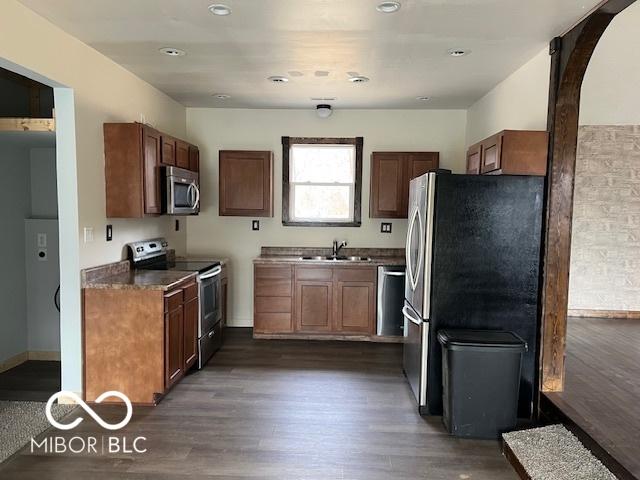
32	381
280	409
602	386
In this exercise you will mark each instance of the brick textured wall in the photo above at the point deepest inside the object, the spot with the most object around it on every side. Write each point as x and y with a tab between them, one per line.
605	247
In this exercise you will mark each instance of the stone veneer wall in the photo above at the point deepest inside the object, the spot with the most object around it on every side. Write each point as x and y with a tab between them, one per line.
605	247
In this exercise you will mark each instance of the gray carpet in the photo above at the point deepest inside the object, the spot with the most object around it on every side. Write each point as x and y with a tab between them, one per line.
554	453
19	421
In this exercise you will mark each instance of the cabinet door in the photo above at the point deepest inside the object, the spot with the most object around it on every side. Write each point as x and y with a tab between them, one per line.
491	152
174	358
168	150
473	159
194	158
182	154
387	185
246	183
355	307
314	305
151	161
190	335
420	163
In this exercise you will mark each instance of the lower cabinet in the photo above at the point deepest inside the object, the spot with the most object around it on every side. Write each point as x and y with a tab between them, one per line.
139	342
314	299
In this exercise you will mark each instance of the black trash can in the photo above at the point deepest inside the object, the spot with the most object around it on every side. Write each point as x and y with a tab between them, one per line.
481	381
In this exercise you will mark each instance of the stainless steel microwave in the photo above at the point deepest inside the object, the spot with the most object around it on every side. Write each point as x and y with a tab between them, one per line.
181	192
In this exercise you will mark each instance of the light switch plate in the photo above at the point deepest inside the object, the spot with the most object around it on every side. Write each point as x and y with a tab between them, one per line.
255	225
385	227
109	233
88	234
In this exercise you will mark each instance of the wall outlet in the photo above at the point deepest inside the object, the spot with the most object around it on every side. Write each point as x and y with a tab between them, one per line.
177	225
88	234
109	233
42	255
42	240
255	225
385	227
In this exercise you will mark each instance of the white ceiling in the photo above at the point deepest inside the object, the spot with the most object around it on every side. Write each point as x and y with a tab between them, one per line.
404	54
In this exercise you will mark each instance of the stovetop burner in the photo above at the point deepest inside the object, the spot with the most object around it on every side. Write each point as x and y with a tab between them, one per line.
199	266
152	255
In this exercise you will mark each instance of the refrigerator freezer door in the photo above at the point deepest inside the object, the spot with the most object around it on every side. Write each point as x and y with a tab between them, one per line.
415	350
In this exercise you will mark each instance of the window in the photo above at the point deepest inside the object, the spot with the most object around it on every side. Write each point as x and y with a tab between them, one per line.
322	181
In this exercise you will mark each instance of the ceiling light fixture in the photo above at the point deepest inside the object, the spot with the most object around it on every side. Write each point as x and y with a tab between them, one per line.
358	79
423	98
278	79
324	110
458	52
221	96
220	9
172	52
388	7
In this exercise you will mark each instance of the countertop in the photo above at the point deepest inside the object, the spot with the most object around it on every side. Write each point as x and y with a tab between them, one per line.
142	280
293	255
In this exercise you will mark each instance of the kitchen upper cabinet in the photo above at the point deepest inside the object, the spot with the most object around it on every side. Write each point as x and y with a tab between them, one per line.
391	173
194	158
246	183
510	152
168	150
473	159
182	154
132	175
134	154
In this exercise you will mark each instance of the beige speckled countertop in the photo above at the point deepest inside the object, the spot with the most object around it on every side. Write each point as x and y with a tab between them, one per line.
377	256
142	279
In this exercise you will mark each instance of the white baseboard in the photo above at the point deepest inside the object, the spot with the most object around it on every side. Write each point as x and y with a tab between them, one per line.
67	400
16	360
240	322
43	355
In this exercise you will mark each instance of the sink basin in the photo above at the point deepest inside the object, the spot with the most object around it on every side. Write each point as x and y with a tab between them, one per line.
337	259
318	257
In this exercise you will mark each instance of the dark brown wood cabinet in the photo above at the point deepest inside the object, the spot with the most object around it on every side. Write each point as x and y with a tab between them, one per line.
151	332
133	155
391	173
246	183
510	152
314	299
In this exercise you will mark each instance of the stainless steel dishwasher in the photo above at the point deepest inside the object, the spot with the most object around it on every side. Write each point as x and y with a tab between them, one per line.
390	321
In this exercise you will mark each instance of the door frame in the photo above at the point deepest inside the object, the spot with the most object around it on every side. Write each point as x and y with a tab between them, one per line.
570	56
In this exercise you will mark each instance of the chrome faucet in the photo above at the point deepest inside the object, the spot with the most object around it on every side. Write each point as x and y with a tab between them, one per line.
337	247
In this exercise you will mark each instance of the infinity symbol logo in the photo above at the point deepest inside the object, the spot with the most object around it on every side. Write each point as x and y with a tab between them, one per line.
89	410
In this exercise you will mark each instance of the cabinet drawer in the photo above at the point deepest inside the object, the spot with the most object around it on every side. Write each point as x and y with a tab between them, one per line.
173	300
314	273
190	292
352	274
272	322
272	287
273	272
273	304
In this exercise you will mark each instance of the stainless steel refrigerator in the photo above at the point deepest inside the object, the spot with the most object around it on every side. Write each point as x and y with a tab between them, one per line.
473	261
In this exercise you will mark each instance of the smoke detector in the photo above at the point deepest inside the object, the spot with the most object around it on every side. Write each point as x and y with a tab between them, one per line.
324	110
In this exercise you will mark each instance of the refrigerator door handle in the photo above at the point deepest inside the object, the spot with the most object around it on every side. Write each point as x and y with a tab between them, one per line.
406	311
394	274
414	275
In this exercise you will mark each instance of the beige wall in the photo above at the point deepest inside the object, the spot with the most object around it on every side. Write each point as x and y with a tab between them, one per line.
519	102
215	129
104	92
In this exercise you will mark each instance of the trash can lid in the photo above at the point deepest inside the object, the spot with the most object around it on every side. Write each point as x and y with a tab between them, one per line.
495	339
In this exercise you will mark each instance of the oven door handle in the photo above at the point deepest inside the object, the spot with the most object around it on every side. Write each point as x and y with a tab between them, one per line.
212	273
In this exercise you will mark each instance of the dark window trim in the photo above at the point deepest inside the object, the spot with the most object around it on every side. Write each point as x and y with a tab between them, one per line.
357	195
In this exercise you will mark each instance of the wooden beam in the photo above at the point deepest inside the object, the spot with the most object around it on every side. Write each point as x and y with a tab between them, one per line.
27	125
571	54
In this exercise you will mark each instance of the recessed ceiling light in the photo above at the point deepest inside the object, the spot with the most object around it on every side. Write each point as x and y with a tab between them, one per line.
423	98
458	52
388	7
278	79
323	99
173	52
358	79
221	96
220	9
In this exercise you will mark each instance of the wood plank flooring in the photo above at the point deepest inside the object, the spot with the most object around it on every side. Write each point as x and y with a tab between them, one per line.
281	409
32	380
602	386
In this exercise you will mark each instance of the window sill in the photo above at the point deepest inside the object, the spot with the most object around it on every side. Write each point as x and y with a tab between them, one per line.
321	224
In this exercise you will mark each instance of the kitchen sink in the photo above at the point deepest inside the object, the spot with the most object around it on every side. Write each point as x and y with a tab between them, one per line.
337	259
